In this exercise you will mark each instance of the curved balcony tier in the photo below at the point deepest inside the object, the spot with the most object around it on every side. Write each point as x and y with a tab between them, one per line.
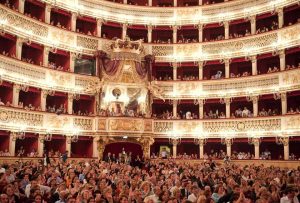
15	120
145	15
33	30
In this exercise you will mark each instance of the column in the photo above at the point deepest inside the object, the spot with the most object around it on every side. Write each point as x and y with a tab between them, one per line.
227	68
283	103
149	34
200	2
21	6
99	27
286	148
70	103
46	56
68	144
201	108
174	71
282	60
149	2
95	147
48	13
254	65
227	103
253	24
280	17
44	94
19	45
228	143
175	102
16	91
255	105
175	3
124	30
226	27
41	140
174	143
12	144
124	1
73	21
97	103
73	57
146	143
200	66
200	32
256	142
201	143
174	34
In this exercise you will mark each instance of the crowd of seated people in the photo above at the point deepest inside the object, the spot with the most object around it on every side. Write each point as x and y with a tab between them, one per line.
30	107
218	75
4	152
217	38
126	113
187	40
22	153
270	112
273	70
158	41
85	113
58	110
290	67
163	78
59	25
213	115
180	115
188	77
150	182
274	26
294	111
29	60
244	74
236	35
29	15
10	5
239	113
53	65
88	33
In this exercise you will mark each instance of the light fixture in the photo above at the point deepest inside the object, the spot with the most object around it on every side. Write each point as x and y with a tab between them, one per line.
277	96
125	137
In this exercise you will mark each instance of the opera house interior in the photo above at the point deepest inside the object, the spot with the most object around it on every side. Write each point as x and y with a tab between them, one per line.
151	101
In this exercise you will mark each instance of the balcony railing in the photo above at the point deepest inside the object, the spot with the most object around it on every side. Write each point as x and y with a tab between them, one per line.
12	119
23	26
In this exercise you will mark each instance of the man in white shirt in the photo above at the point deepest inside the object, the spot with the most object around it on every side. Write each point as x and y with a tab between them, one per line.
193	196
290	196
44	189
245	112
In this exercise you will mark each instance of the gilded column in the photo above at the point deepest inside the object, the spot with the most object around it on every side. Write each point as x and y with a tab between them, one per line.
200	31
149	34
282	60
46	56
48	8
200	2
200	66
174	71
227	103
227	68
254	65
256	143
99	27
283	103
280	17
103	141
201	108
73	21
175	142
41	145
44	94
174	34
146	143
228	143
73	57
12	144
95	147
124	30
19	45
226	27
124	1
16	93
286	148
201	142
70	103
255	105
253	24
21	6
68	144
175	3
149	2
175	102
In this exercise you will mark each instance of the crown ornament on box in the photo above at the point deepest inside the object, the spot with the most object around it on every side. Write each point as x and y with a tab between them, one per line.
126	45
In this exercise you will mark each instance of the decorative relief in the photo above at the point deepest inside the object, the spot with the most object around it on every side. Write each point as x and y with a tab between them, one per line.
163	126
102	124
87	42
242	126
166	50
17	118
61	79
58	122
83	123
292	123
291	77
134	125
66	39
